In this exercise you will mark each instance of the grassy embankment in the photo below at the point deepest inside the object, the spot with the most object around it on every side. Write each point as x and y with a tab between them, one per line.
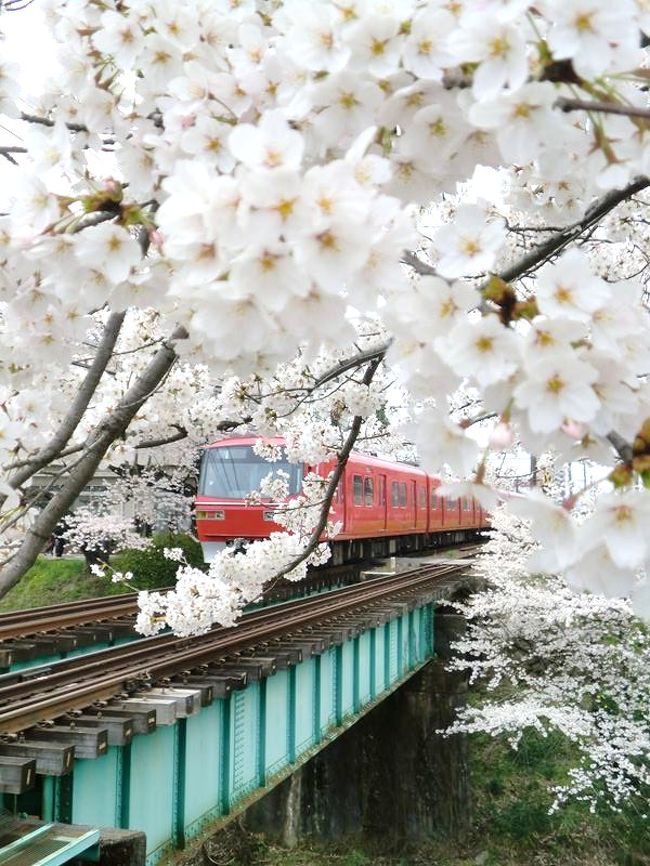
51	581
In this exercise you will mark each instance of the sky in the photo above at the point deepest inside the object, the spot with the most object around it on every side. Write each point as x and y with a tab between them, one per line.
27	42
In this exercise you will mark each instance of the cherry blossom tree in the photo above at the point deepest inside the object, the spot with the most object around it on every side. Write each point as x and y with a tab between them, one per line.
551	658
274	196
98	534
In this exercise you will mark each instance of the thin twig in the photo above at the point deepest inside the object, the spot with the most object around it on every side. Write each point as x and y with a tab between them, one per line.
341	461
566	105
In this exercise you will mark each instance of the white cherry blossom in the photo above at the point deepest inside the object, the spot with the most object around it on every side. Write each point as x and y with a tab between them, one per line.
570	289
620	522
486	352
109	248
470	244
271	144
557	389
500	51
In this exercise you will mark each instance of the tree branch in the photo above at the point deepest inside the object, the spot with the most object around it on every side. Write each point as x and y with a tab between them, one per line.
566	105
181	433
376	354
621	446
420	267
542	252
599	209
11	148
79	405
45	121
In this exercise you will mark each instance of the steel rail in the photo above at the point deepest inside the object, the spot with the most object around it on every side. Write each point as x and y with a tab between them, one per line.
74	688
17	624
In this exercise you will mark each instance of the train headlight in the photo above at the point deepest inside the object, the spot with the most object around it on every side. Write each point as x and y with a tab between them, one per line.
210	515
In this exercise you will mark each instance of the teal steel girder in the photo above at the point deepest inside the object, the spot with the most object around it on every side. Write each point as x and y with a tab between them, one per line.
175	780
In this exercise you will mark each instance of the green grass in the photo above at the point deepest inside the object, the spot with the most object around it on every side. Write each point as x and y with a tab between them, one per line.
50	581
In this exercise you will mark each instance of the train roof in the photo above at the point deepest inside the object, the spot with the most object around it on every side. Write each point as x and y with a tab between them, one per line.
356	457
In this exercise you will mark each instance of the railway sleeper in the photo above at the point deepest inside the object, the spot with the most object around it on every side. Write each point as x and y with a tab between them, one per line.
331	636
256	668
222	684
83	637
236	679
294	653
205	689
52	759
100	633
142	721
120	730
164	708
307	647
281	659
17	775
21	650
209	687
88	742
121	627
319	641
53	644
188	701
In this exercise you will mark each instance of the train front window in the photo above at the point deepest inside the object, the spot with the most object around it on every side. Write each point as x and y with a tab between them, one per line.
235	471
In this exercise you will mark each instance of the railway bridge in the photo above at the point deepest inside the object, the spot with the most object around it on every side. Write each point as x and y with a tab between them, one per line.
169	735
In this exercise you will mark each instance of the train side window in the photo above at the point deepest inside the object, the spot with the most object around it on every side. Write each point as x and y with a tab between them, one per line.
357	489
434	502
402	494
394	494
451	502
368	491
423	497
465	503
382	490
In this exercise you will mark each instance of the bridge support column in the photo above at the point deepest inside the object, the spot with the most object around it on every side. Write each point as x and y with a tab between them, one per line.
390	774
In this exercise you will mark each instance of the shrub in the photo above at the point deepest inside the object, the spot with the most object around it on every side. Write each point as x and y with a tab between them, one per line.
150	568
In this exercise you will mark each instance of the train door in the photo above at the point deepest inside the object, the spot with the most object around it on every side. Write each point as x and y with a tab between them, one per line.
436	520
341	500
422	507
383	505
414	502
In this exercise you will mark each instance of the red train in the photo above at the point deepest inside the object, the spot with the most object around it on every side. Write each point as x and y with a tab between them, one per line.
385	507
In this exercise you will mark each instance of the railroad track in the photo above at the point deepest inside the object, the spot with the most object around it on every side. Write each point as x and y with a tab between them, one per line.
38	694
22	623
116	613
107	617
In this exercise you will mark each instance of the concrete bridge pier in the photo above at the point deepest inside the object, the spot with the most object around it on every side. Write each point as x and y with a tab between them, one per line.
390	776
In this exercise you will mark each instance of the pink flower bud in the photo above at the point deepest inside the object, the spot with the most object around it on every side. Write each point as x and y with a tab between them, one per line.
501	436
574	429
155	238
